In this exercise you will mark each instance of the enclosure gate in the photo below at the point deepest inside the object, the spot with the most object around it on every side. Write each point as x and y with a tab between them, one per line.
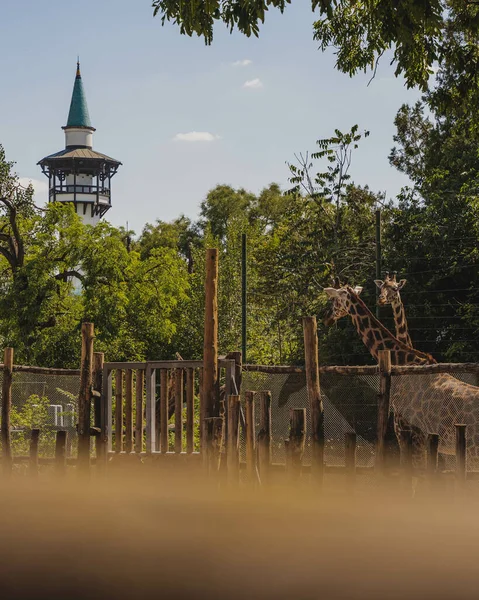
142	425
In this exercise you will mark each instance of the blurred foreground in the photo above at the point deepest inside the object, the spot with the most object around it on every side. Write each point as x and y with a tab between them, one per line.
126	537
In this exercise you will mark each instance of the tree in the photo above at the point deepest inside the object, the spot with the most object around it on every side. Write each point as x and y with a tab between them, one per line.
432	234
361	32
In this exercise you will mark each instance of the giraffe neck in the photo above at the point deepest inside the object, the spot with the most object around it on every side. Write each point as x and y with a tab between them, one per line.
376	337
402	332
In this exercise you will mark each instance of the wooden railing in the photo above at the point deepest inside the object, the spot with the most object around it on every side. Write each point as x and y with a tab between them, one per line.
141	398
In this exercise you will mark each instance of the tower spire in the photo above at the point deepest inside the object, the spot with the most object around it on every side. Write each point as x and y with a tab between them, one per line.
78	115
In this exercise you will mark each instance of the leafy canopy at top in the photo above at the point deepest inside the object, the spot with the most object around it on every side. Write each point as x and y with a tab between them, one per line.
360	31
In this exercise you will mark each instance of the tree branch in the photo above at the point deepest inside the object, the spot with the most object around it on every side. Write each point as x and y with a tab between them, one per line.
66	274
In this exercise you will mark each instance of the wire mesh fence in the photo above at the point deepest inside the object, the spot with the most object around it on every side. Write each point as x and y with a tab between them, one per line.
350	405
44	401
435	403
432	403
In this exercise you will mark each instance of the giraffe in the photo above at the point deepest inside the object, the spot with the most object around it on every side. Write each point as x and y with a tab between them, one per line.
425	404
389	294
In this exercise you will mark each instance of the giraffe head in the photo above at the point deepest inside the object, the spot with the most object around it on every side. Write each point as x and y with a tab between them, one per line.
389	289
341	302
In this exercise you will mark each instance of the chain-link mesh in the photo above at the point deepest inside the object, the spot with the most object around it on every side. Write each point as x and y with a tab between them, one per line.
435	403
350	405
46	402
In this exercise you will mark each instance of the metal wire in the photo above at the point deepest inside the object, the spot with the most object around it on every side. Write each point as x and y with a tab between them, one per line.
46	402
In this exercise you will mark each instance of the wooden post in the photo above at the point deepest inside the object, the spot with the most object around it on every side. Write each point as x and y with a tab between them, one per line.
432	452
118	410
210	349
310	331
190	410
60	453
460	455
6	410
432	446
406	458
236	356
202	410
250	437
84	397
164	410
139	410
33	463
214	428
264	436
232	451
350	459
296	442
98	363
128	410
383	405
178	410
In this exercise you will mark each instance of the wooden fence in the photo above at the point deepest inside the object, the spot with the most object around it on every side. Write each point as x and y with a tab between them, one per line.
132	388
126	408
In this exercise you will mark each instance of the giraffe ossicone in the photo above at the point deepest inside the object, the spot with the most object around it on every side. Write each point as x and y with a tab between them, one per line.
389	294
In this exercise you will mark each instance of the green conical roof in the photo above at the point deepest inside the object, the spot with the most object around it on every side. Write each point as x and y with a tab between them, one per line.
78	115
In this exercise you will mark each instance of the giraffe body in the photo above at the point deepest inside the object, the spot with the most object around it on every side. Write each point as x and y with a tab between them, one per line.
430	403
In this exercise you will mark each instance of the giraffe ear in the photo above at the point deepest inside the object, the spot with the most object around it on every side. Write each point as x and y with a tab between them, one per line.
378	282
357	290
332	292
401	284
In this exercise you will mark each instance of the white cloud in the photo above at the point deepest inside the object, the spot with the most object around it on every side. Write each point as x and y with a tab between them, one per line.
253	84
242	63
196	136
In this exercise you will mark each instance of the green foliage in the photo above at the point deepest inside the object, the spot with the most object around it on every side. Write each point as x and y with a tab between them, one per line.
360	31
32	415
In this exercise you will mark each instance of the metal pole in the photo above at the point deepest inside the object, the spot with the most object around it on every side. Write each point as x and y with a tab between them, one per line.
378	255
243	297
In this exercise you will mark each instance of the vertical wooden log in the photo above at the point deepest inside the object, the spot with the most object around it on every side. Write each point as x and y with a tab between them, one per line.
128	410
6	410
164	410
310	332
250	437
98	364
296	442
210	348
406	458
232	451
383	405
107	411
33	463
350	459
60	453
460	455
84	397
190	410
432	447
150	378
178	410
202	410
264	436
214	428
118	410
139	384
432	453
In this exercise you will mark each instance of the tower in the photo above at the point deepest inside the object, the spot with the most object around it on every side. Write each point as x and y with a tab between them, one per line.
78	174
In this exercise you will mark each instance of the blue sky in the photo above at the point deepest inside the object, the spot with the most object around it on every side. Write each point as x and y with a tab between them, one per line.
145	84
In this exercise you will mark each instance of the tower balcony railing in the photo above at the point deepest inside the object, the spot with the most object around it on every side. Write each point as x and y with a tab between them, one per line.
80	189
